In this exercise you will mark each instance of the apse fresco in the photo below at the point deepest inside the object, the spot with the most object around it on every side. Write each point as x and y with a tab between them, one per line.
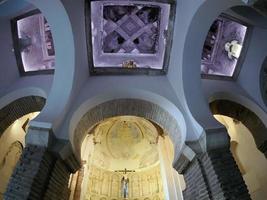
129	35
223	47
35	44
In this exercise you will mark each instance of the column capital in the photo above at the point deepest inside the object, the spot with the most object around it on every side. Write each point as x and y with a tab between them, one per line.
185	158
40	134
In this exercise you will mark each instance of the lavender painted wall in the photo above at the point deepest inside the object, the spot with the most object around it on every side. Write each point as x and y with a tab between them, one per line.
250	73
9	71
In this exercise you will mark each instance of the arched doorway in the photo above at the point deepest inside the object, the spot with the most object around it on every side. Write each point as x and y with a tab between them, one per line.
14	122
248	140
161	118
126	157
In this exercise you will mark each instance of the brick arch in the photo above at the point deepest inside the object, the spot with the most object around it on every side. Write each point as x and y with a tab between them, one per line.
134	107
18	108
247	117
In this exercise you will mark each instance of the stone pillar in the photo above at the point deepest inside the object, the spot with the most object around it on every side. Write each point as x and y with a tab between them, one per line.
213	174
40	172
170	186
78	188
57	187
196	186
31	175
38	175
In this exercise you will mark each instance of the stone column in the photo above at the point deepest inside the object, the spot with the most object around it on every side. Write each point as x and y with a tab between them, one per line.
40	172
57	187
78	188
170	186
213	174
31	175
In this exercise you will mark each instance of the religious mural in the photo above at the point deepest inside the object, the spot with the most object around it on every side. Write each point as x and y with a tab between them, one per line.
125	143
139	185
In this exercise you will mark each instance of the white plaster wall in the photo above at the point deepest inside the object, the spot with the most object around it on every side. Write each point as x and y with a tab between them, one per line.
182	85
247	84
10	78
84	86
9	71
103	85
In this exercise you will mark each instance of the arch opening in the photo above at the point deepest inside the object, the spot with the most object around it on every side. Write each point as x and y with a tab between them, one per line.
248	138
90	114
126	157
197	32
14	121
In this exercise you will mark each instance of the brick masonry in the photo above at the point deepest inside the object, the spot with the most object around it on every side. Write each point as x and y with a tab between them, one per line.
134	107
196	187
58	183
38	175
31	175
19	108
214	175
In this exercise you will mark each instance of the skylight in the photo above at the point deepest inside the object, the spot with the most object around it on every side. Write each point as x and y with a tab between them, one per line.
130	35
33	43
223	47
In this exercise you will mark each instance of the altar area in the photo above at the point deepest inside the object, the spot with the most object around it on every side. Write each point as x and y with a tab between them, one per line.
125	158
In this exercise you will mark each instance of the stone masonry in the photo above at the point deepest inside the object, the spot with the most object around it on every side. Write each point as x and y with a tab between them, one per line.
213	174
31	175
38	175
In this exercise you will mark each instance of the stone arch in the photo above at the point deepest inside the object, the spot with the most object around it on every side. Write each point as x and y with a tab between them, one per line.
150	106
248	117
199	25
58	98
18	108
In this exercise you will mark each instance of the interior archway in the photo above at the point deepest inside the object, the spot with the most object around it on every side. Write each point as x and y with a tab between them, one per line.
168	117
197	33
126	157
246	116
248	138
14	122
